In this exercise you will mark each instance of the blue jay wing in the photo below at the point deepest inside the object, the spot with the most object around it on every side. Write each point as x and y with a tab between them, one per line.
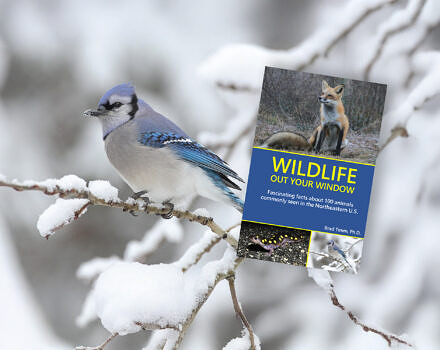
192	152
339	250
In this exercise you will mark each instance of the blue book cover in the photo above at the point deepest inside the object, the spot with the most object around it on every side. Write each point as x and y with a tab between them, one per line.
312	168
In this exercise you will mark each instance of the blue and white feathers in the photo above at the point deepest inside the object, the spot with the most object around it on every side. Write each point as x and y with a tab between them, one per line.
335	251
153	154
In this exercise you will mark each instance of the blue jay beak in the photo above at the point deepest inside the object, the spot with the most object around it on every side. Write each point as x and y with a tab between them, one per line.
94	112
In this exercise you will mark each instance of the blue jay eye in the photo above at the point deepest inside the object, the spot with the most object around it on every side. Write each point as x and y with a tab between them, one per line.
116	104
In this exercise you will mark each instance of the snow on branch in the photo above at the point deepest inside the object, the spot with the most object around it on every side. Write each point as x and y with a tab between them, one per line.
236	129
425	90
212	273
398	22
194	253
138	251
60	214
323	279
243	342
130	296
428	21
240	66
163	230
98	193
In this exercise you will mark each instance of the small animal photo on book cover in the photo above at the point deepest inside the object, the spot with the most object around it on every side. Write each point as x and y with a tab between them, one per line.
312	167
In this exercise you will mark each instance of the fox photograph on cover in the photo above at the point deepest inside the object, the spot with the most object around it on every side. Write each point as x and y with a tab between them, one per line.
320	115
315	148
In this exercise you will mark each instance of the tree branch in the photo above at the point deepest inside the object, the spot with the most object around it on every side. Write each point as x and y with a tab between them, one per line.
239	311
390	338
416	45
129	205
323	280
200	254
407	17
187	323
299	57
99	347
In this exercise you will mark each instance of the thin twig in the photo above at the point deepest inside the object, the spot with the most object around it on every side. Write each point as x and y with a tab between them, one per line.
229	229
388	337
234	87
99	347
239	311
77	214
206	250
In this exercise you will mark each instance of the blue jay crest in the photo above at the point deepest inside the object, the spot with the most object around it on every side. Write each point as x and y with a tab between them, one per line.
122	90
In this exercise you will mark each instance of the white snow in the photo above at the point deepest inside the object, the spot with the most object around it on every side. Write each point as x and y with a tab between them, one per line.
233	129
170	230
164	339
202	212
23	323
211	270
243	64
129	294
66	183
104	190
427	88
62	212
193	251
71	182
153	295
243	342
89	270
88	311
322	278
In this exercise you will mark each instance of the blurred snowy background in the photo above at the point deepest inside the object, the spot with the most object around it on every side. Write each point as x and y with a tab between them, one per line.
58	57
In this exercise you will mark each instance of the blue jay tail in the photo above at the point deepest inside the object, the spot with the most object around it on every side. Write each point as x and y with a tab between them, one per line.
236	202
224	184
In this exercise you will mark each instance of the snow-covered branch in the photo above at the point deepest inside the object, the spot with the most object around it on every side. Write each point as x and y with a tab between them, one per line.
240	66
424	91
323	279
73	188
398	22
236	129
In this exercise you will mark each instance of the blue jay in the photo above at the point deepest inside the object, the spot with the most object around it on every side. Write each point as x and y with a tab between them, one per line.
335	251
155	157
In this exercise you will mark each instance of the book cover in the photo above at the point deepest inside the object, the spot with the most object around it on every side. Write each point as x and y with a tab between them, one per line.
312	167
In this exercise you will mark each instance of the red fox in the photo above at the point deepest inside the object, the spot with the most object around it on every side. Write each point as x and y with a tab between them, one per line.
331	134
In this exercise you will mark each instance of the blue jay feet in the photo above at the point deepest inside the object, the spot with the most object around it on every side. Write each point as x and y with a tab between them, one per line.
136	196
170	206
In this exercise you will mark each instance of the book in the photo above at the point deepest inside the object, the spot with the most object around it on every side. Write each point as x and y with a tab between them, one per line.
312	167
